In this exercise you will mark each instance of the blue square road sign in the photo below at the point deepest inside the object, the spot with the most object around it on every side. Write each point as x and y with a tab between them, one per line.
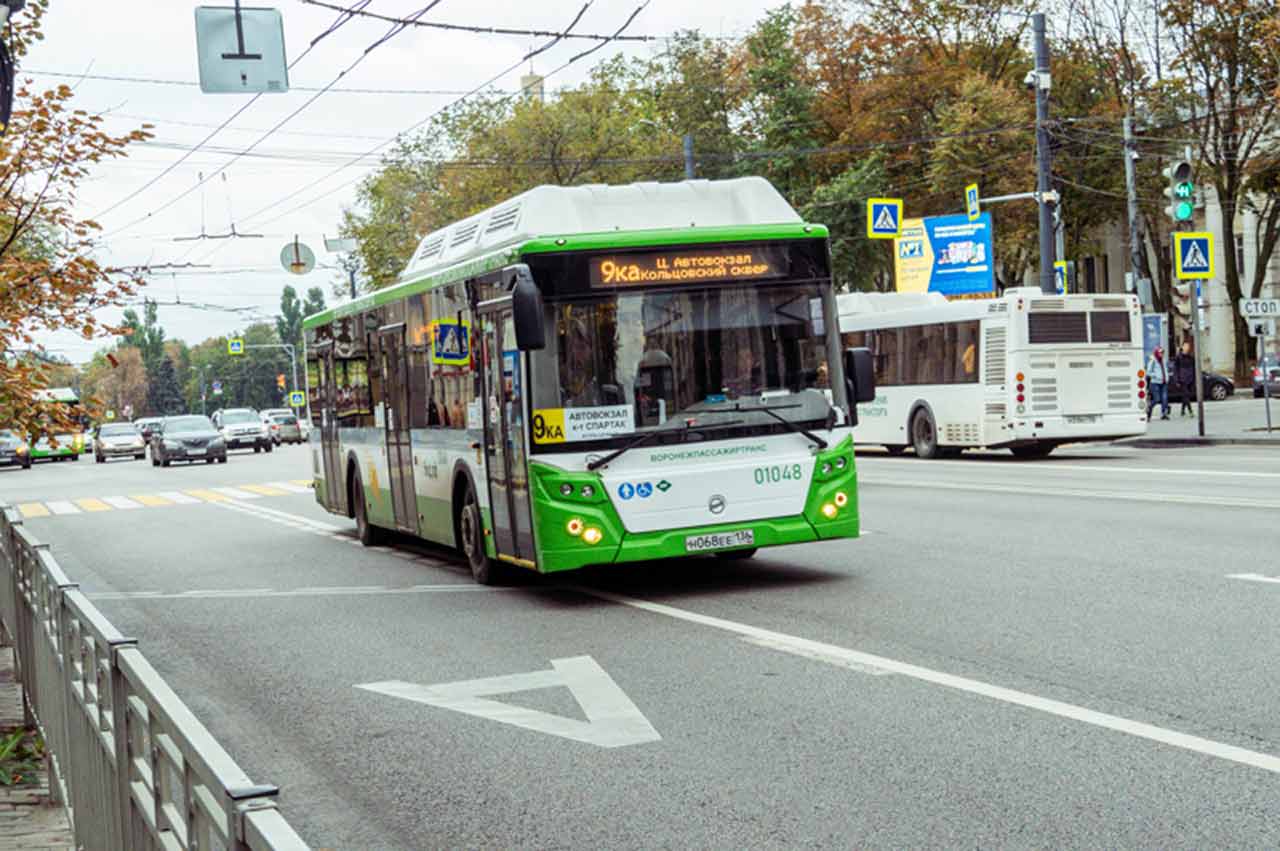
884	218
1193	256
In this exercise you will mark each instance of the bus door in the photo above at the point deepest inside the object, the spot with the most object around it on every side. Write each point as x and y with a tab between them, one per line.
504	435
335	492
395	394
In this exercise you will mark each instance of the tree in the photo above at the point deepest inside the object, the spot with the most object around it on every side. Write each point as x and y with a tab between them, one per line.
314	303
164	395
49	279
146	334
289	320
857	262
120	386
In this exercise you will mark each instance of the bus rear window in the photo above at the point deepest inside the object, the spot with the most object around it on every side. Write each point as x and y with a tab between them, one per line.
1058	327
1109	326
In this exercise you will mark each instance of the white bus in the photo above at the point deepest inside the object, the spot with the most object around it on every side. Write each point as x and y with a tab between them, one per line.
1025	371
595	375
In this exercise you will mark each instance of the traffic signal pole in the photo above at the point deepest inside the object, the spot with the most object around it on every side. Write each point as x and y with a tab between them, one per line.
1044	157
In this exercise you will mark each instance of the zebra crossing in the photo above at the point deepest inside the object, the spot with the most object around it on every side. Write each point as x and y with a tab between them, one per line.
161	499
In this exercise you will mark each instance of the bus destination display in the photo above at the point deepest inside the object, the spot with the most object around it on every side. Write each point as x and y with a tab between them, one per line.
728	263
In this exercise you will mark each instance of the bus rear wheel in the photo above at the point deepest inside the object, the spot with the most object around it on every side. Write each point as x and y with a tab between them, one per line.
470	531
924	434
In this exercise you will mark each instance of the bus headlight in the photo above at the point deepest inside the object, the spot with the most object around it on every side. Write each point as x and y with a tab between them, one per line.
588	491
592	535
842	462
841	499
574	527
566	489
829	511
826	468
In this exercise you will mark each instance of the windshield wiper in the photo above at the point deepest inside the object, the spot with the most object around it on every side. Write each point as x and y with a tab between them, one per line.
689	426
773	412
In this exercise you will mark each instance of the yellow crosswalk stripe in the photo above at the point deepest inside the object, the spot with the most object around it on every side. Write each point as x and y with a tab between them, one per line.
150	499
33	509
265	490
207	495
91	504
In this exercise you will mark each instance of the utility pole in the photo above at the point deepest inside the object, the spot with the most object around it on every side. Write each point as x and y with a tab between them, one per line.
688	156
1044	157
1195	328
1135	235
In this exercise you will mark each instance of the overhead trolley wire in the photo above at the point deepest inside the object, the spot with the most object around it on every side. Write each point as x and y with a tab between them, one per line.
332	28
390	34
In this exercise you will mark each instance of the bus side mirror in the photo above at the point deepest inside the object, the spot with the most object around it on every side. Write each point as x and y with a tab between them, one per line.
860	374
527	313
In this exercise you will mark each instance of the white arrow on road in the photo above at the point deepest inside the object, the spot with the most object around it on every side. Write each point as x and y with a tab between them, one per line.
613	721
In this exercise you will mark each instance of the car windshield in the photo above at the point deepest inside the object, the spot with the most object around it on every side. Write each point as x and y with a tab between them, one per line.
118	430
626	363
239	417
285	419
183	425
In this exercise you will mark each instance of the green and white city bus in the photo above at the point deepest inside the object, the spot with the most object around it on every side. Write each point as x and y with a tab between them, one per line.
63	445
595	375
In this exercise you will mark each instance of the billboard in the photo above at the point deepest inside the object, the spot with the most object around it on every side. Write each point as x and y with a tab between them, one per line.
945	254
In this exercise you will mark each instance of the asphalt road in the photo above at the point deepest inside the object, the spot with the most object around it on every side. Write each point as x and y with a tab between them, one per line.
1073	652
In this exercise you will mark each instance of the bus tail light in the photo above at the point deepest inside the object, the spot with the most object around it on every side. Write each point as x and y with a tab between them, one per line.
1142	395
1021	398
1142	373
1020	376
1141	384
1021	387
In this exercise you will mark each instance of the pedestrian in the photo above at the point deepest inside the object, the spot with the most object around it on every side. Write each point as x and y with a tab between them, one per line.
1184	373
1157	383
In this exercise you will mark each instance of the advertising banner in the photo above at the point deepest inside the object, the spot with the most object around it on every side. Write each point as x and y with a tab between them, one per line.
945	254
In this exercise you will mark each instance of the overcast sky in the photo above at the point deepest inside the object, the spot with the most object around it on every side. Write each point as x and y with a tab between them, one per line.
156	40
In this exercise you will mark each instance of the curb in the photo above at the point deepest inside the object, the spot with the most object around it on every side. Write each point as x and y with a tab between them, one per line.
1183	442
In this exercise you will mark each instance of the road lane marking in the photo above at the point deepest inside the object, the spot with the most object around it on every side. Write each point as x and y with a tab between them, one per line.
234	493
284	516
613	721
121	502
152	500
62	507
1254	577
316	591
1123	496
290	487
207	495
816	649
33	509
1064	467
179	498
91	504
262	490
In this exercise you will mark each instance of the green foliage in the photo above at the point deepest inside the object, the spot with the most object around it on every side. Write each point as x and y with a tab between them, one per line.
164	393
144	334
856	261
21	755
248	380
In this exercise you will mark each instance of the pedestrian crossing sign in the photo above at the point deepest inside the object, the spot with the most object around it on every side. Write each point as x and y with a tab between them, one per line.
1193	256
884	218
235	346
972	205
1060	276
297	399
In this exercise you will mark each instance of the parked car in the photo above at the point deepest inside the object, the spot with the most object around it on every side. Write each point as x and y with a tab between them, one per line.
304	426
1216	387
284	428
14	450
243	428
189	438
145	425
1271	366
115	440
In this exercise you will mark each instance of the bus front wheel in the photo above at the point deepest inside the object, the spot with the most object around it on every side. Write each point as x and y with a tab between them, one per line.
924	434
368	534
470	528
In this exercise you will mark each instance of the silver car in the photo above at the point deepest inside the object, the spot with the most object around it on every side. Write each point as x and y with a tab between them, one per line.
284	428
118	440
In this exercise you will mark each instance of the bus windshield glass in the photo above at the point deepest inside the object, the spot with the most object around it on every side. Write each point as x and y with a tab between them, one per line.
626	362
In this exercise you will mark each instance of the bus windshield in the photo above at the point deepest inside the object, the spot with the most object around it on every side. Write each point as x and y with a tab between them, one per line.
627	362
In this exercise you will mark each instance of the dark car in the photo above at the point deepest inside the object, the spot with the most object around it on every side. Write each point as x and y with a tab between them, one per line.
1216	387
14	450
190	438
1271	366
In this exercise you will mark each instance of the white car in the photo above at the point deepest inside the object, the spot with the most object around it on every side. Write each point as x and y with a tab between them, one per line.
242	428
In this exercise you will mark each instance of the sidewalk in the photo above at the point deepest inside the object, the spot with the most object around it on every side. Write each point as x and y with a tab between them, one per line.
1240	420
29	818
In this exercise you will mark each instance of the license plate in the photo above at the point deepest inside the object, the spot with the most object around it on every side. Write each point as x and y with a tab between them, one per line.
1081	419
199	451
719	541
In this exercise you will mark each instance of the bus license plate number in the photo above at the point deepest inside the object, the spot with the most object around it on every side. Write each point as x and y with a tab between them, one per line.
1081	419
719	541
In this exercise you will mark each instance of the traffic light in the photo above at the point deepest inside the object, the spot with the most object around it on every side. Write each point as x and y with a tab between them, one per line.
1181	192
280	380
1182	302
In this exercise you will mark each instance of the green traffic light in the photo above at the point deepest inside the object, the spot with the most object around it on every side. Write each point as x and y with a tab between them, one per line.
1183	211
1184	190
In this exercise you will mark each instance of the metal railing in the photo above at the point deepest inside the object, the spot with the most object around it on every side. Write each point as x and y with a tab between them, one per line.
134	767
